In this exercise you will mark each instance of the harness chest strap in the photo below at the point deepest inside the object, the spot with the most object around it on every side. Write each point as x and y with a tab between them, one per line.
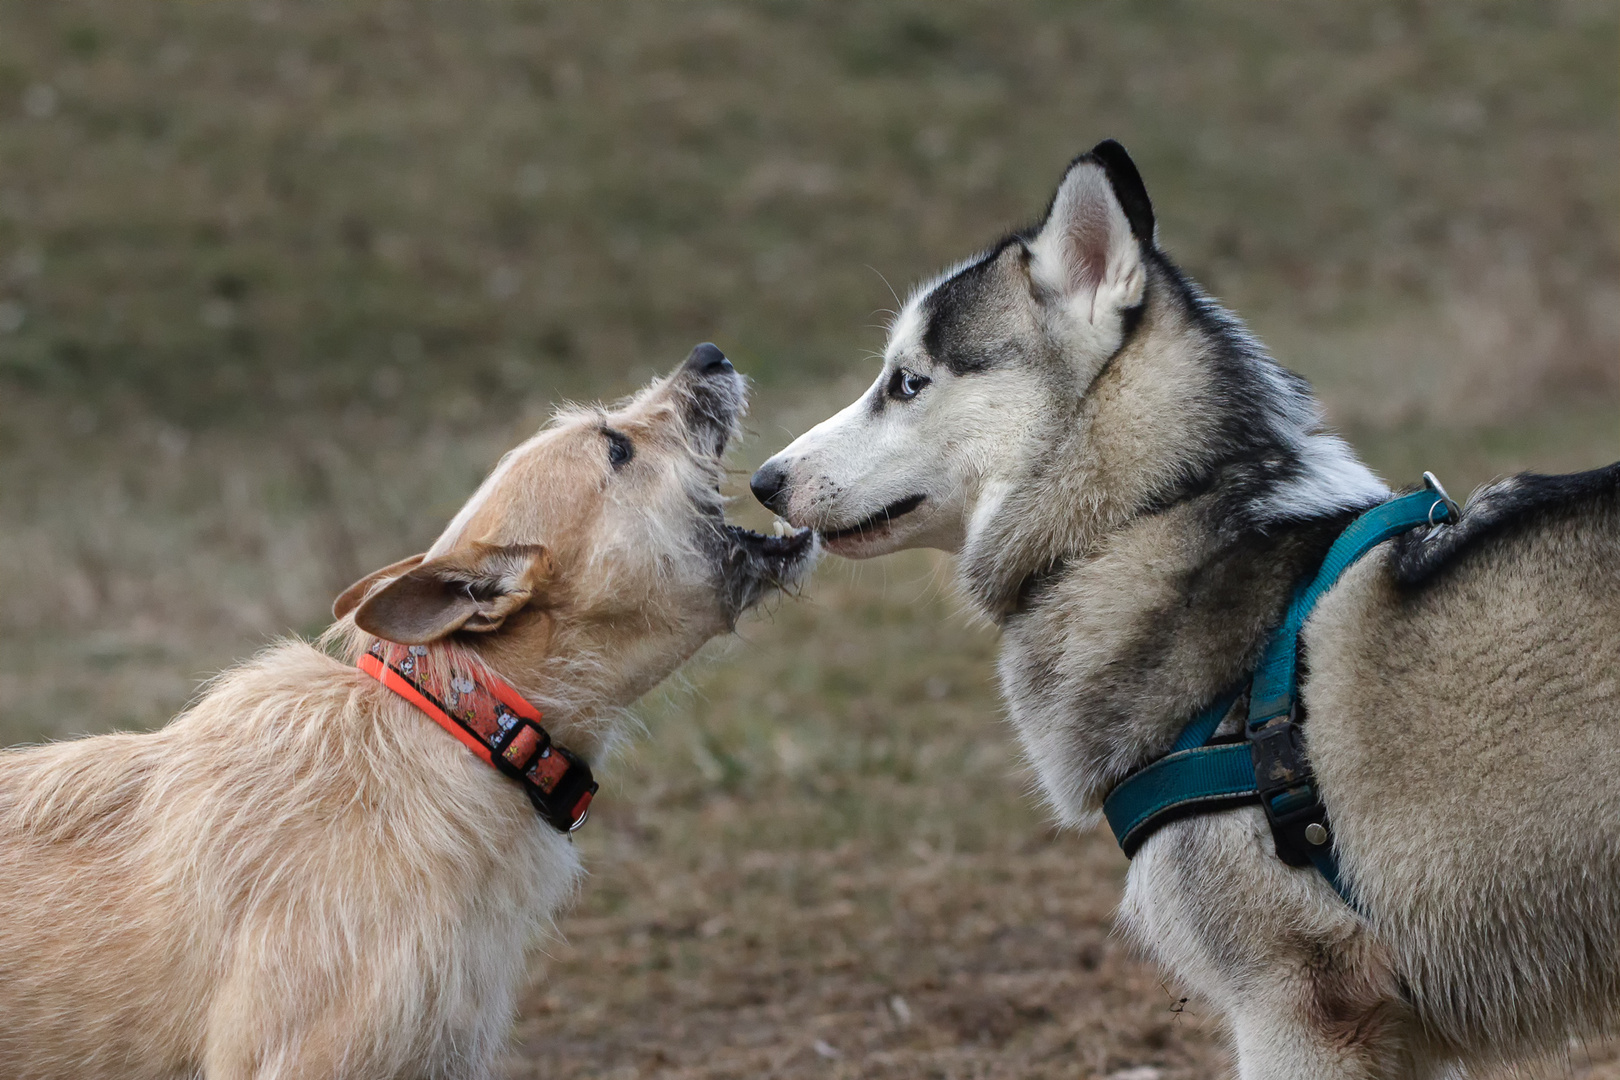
488	716
1269	767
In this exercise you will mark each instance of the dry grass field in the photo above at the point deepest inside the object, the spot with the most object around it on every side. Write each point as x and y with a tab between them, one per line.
278	281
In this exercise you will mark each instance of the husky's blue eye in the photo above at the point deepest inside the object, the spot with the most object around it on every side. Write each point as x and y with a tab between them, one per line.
620	448
905	385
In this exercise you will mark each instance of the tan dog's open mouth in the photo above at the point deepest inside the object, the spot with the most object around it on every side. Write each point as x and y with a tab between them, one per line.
752	564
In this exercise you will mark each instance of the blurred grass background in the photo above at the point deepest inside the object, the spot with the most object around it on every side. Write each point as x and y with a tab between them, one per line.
279	281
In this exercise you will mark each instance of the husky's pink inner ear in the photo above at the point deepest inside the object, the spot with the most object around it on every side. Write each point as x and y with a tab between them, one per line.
1087	238
473	589
1086	248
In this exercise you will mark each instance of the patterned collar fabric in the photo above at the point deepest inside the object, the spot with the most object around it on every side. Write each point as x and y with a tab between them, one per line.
492	720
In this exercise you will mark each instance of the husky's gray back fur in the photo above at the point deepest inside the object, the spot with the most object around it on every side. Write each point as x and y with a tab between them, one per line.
1134	488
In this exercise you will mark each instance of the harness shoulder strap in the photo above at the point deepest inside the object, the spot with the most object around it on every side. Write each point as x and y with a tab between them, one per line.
1272	692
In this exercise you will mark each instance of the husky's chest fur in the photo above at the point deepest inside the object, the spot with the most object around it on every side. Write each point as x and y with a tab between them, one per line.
1104	662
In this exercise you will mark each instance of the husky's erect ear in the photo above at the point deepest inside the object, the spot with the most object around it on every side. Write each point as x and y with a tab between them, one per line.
470	589
1089	250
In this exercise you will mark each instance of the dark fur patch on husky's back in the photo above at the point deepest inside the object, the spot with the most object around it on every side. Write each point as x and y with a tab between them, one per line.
1517	502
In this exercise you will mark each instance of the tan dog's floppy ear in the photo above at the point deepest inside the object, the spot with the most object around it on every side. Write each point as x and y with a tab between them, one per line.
473	588
350	598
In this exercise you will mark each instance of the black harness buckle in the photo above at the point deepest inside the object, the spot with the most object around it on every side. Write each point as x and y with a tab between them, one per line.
1288	790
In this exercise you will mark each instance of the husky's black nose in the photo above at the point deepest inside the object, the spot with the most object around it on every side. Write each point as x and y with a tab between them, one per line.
708	360
769	485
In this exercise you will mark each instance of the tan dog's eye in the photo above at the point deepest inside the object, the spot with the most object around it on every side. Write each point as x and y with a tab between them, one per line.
620	448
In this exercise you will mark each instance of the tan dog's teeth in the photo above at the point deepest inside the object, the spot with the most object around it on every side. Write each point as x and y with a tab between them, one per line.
781	528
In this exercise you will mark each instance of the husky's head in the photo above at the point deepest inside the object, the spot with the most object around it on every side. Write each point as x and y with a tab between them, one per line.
1064	380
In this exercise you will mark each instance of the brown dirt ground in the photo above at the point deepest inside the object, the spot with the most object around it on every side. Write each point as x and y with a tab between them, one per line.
998	963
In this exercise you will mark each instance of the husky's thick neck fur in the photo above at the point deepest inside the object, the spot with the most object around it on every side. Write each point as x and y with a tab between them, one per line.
1189	404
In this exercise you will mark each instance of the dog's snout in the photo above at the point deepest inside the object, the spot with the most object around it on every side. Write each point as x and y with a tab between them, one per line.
707	359
769	486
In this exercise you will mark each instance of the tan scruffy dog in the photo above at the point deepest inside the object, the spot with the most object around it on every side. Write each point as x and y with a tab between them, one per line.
304	875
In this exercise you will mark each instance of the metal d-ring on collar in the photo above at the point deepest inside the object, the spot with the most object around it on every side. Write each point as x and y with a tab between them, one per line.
1270	766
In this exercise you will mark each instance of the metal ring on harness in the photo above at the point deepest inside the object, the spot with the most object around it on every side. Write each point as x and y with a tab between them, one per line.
1453	511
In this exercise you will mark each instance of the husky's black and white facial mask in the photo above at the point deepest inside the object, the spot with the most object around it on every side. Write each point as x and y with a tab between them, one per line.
1068	376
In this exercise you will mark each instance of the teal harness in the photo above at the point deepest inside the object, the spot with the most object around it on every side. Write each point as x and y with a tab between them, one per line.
1269	765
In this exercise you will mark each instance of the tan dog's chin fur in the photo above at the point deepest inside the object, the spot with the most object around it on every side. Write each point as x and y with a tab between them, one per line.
304	876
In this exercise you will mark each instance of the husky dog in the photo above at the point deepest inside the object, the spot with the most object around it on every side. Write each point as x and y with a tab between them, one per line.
1134	489
303	875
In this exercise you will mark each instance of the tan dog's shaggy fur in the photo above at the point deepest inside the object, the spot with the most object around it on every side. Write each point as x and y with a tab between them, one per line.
302	875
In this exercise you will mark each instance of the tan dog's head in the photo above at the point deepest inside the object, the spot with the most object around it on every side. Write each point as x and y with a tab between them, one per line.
595	559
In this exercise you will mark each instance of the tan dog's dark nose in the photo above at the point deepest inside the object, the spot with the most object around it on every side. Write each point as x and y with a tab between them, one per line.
707	359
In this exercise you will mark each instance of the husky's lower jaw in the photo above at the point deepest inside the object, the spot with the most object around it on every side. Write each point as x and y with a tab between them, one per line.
887	530
753	565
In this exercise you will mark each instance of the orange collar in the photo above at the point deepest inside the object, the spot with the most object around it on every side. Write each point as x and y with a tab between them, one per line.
493	721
